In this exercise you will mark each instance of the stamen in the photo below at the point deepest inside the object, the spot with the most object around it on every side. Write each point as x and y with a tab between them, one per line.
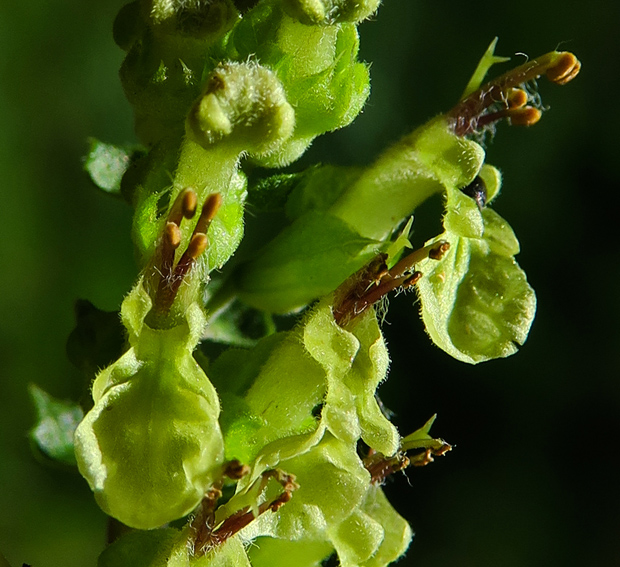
412	280
172	235
235	470
172	277
433	251
206	535
374	281
475	111
380	467
197	245
526	116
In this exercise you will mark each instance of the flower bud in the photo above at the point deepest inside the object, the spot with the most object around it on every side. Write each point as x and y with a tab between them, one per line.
243	105
313	12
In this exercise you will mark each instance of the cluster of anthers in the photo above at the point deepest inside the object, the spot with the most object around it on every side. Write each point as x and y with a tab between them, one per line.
507	96
171	276
207	532
380	467
374	281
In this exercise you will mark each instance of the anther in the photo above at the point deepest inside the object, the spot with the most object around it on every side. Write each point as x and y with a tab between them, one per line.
181	205
189	203
172	235
438	250
412	280
434	251
197	245
565	69
235	470
516	98
526	116
209	210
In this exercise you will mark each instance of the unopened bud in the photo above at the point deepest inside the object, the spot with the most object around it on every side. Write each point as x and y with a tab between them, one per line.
313	12
243	104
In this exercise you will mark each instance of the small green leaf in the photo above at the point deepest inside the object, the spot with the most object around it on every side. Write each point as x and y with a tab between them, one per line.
106	164
97	339
56	423
155	548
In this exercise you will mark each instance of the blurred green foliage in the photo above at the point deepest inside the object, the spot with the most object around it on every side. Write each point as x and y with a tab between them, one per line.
531	481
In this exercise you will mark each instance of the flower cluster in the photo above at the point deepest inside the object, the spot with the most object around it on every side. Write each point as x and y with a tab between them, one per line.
280	440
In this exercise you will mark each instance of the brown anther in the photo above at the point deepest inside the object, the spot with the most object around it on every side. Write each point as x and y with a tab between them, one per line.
209	210
526	116
189	203
177	211
412	280
443	449
280	501
434	251
498	98
517	98
566	69
197	245
172	235
235	470
438	250
422	459
380	467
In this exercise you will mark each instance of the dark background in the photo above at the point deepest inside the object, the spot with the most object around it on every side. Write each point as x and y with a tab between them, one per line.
533	480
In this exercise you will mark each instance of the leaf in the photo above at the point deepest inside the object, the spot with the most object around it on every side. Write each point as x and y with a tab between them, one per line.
56	423
97	340
106	164
155	548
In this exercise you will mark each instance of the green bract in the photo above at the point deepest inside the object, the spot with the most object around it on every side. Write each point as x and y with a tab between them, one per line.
151	445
